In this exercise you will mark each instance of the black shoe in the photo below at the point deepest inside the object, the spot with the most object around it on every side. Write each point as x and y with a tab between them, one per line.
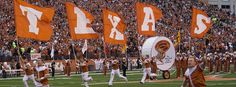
109	85
141	82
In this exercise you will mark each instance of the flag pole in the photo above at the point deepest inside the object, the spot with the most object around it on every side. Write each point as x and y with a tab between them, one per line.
18	50
189	41
86	50
139	56
73	49
126	55
190	48
207	38
52	51
179	40
179	47
205	47
104	48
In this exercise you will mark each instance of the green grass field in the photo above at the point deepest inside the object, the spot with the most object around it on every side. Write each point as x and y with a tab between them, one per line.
100	80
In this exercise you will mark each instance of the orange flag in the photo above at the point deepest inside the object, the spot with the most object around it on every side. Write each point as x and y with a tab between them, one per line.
114	28
147	15
33	21
200	23
80	22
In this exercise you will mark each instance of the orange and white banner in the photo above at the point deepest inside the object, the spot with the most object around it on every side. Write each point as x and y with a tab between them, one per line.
201	23
147	15
80	22
33	21
114	28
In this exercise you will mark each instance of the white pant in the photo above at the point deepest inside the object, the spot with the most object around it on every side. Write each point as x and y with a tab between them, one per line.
113	72
145	72
38	84
26	78
86	78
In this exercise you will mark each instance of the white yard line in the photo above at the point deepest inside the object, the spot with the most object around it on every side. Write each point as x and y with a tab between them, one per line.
129	82
106	83
103	83
61	76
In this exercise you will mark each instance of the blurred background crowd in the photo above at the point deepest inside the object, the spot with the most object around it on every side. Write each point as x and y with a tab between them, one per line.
176	17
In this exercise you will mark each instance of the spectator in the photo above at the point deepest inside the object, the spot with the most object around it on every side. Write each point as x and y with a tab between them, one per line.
176	16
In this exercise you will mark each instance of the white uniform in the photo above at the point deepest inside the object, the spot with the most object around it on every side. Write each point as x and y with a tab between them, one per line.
28	76
147	70
85	73
42	71
115	70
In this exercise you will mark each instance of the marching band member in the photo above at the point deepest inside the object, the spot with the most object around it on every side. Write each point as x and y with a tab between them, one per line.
178	64
211	62
77	67
217	62
184	63
227	61
68	67
154	67
234	62
208	62
221	62
105	66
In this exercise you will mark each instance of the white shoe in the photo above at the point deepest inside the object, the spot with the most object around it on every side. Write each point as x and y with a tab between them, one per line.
141	82
126	79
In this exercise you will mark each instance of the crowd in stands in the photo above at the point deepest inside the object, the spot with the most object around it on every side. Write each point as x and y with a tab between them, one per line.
176	17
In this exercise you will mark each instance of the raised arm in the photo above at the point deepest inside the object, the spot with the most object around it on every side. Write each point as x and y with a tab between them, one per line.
22	64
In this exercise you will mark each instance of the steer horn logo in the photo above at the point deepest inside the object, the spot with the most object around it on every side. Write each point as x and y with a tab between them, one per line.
161	47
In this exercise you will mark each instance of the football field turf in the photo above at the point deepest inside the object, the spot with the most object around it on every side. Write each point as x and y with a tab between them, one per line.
99	80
